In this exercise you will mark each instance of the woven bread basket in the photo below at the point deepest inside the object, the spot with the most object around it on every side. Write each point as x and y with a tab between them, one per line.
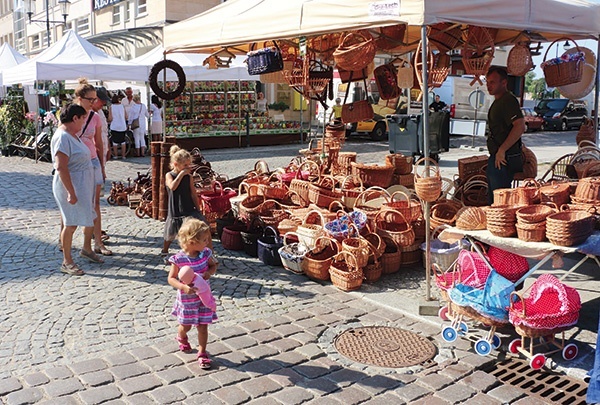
532	232
569	228
533	214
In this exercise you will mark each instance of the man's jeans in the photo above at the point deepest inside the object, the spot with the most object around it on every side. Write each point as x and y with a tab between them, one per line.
503	177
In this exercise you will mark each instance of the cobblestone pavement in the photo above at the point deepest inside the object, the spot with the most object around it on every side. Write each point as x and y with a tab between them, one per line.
108	336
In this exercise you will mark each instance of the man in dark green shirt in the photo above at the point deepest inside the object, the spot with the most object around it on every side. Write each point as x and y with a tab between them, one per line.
506	125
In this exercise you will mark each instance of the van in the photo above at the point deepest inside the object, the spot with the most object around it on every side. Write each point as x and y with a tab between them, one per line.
561	113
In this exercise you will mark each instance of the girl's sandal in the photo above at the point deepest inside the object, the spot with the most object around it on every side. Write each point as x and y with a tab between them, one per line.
184	345
71	269
102	250
204	361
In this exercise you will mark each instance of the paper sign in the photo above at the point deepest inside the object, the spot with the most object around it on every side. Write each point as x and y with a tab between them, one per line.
385	8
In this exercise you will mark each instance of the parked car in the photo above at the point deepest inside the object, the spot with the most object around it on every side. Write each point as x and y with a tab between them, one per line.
533	122
562	113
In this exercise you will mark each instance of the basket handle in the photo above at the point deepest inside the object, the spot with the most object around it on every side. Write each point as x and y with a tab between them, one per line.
261	167
220	187
275	233
321	218
285	236
350	35
307	163
352	177
392	211
515	296
560	40
303	202
432	166
334	204
343	256
332	243
400	192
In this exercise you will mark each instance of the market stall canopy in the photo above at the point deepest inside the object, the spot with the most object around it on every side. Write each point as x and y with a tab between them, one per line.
70	58
192	64
9	57
237	23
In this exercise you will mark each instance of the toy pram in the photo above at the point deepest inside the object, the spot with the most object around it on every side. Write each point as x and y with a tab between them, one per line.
550	308
487	305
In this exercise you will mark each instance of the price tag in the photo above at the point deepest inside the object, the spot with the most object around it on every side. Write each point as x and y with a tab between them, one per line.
302	44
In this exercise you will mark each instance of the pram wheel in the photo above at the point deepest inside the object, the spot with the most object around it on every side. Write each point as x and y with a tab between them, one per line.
443	313
483	347
496	342
449	334
514	345
537	361
570	351
463	329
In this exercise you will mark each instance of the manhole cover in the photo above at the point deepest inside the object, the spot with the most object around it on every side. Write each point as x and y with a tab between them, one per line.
548	386
384	346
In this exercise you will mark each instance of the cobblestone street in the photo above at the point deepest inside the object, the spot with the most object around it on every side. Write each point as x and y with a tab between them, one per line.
108	337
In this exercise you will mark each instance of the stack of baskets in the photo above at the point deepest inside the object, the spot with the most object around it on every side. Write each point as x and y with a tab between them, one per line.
402	169
501	220
569	228
531	222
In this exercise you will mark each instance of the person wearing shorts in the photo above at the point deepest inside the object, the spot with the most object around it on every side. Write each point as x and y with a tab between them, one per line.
118	126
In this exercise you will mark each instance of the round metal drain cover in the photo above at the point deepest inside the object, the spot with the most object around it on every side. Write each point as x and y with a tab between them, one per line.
384	346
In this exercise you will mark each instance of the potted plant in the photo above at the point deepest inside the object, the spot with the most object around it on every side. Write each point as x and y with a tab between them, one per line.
277	108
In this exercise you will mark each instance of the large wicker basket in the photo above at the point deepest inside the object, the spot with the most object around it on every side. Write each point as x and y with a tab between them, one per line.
373	175
344	272
317	261
560	72
356	51
569	228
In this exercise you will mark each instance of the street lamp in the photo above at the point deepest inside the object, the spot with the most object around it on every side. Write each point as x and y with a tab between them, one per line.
64	10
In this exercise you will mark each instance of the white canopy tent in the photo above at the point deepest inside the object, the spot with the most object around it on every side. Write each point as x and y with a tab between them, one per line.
192	64
9	57
70	58
236	23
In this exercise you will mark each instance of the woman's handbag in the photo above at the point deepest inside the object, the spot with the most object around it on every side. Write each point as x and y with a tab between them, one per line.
268	247
266	60
135	124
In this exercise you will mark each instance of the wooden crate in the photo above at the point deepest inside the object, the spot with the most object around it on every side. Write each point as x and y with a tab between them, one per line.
468	167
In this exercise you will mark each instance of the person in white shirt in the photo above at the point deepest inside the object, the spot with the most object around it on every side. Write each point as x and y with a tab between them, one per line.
117	117
139	112
128	100
156	124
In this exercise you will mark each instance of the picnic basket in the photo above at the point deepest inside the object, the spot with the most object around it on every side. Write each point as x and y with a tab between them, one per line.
567	69
344	272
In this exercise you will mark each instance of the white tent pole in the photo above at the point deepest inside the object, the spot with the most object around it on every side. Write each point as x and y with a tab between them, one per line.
597	92
425	127
37	111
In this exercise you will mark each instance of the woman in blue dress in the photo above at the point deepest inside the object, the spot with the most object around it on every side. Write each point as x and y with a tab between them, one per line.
73	183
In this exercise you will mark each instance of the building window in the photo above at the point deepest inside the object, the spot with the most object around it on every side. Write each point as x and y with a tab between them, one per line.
35	41
83	25
141	7
127	11
116	16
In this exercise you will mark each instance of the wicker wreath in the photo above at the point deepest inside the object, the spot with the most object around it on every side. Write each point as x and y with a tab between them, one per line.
153	79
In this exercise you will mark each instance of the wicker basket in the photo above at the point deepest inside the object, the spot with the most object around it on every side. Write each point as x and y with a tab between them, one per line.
391	259
411	254
351	188
471	219
519	60
317	261
402	164
428	186
533	214
471	166
501	220
569	228
588	190
376	242
249	208
373	270
557	193
445	36
406	75
308	232
373	175
406	180
324	192
506	196
392	224
444	213
529	192
299	185
358	246
292	255
392	36
438	66
344	272
562	72
355	51
408	205
532	232
344	162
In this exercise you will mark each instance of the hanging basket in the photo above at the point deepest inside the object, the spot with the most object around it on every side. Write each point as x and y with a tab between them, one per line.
478	52
567	69
428	181
519	60
438	67
355	51
406	74
445	36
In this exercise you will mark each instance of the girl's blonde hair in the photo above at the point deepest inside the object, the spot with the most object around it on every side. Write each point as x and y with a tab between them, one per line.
192	229
179	155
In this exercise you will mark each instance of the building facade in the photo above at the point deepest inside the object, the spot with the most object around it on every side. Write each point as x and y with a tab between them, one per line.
122	28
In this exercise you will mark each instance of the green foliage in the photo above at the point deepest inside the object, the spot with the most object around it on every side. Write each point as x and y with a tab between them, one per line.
12	118
279	106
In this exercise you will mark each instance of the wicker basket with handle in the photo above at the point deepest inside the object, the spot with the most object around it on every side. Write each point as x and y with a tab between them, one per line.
392	224
391	257
561	72
355	51
345	273
428	181
358	246
408	205
317	261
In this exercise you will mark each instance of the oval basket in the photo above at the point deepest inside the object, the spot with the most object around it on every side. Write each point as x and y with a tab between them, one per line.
428	181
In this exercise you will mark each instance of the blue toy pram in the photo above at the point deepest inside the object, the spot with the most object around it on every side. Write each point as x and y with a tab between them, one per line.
488	306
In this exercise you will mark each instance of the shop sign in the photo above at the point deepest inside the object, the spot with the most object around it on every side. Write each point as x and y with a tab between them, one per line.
99	4
384	8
